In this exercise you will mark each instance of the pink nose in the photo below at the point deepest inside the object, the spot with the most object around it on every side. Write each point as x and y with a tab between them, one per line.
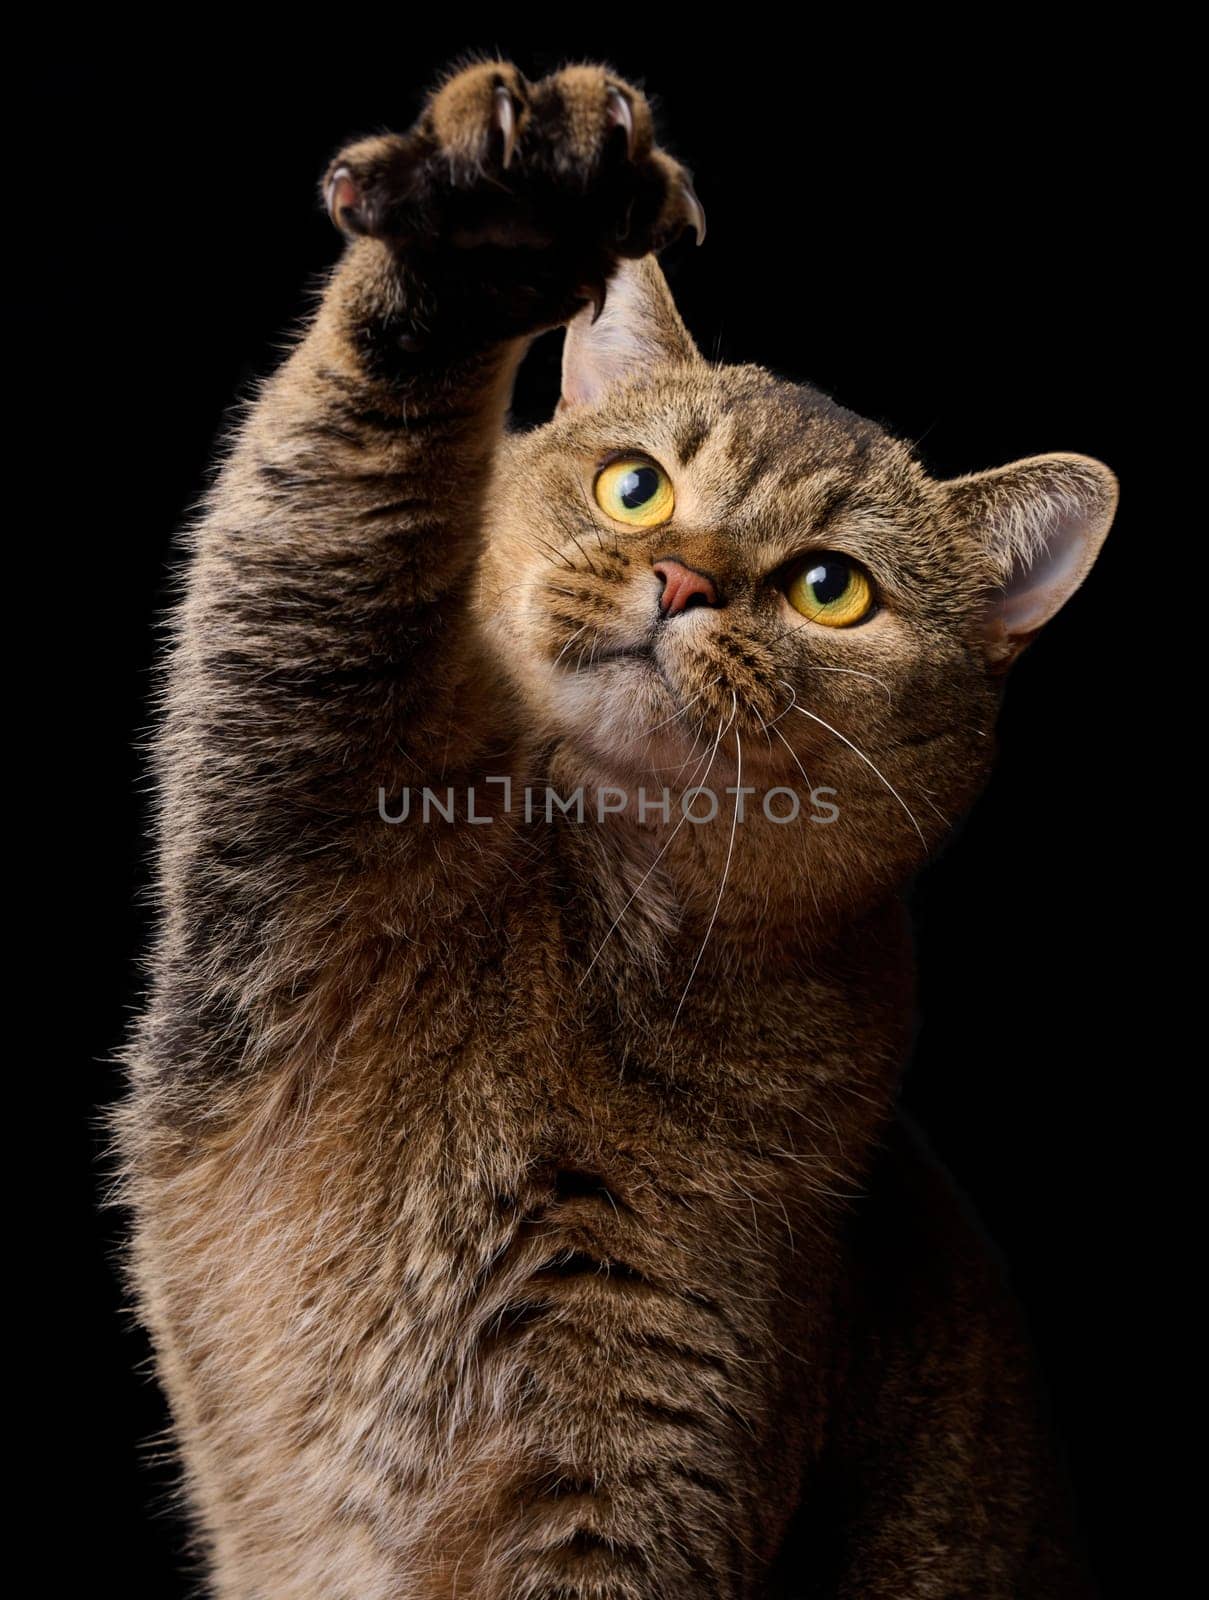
683	588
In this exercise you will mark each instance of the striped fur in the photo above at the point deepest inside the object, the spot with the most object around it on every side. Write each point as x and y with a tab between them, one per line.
519	1211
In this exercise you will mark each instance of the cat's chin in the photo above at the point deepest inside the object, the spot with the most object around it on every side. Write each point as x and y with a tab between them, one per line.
629	725
625	716
632	724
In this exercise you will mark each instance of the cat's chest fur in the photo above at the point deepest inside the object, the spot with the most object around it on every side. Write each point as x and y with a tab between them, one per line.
492	1082
502	1221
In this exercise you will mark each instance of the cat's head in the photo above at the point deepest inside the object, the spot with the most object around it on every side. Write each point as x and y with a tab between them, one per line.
698	568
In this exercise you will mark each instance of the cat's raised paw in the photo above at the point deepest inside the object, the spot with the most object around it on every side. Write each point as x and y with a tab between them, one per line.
556	180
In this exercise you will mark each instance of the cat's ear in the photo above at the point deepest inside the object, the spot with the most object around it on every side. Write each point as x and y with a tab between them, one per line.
1043	520
638	327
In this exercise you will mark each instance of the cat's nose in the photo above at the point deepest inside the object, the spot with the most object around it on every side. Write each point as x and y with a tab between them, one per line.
683	587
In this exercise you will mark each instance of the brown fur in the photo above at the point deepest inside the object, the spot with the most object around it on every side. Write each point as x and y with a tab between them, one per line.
519	1208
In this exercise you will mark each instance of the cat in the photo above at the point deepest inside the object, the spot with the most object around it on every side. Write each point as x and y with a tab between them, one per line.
520	1207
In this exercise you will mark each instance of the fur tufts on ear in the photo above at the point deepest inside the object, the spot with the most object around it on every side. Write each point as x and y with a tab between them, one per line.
639	327
1043	520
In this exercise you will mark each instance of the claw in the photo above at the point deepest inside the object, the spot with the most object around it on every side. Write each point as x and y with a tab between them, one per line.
594	294
504	115
696	211
340	195
619	115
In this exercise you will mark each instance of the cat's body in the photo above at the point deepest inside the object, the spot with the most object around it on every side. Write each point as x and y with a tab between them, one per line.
520	1207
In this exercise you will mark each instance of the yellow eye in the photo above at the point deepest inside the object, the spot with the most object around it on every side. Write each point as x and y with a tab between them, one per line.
831	590
635	491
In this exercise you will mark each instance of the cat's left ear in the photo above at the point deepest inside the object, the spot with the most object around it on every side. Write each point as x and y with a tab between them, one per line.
1043	520
638	327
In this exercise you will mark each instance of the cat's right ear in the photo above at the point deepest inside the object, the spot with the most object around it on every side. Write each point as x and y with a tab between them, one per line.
1042	521
638	327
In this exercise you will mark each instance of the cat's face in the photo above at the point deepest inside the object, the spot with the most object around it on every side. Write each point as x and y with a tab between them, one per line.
704	575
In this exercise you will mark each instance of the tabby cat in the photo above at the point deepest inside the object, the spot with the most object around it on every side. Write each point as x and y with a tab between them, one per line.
520	1205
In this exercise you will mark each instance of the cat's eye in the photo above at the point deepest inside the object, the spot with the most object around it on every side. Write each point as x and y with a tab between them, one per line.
635	491
832	590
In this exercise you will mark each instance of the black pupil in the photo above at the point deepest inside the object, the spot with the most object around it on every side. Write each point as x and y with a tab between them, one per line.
637	487
829	581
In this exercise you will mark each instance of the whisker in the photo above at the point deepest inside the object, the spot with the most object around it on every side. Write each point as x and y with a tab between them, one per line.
852	672
802	712
793	700
678	771
730	850
667	845
765	728
795	757
596	525
654	728
553	551
567	646
570	533
583	553
935	807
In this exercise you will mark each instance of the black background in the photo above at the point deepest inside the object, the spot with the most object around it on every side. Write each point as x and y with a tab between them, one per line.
935	230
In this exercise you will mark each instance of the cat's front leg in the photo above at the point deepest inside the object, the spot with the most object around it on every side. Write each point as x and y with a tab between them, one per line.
325	649
327	608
